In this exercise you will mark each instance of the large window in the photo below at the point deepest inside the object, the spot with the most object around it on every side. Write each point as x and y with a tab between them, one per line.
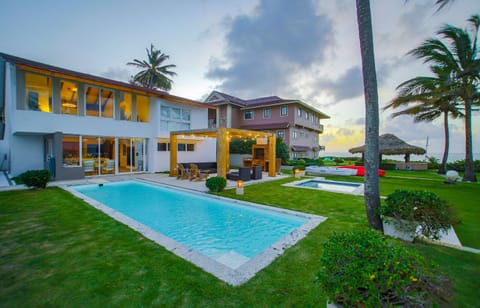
99	102
91	98
38	91
248	115
142	108
125	106
266	113
71	150
173	118
283	111
69	97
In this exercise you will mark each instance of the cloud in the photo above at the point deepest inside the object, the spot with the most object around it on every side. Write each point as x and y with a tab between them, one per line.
264	50
117	73
348	85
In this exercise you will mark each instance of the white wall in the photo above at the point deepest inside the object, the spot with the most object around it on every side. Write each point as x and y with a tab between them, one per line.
27	153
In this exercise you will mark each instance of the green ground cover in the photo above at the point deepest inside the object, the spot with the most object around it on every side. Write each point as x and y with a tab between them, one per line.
55	250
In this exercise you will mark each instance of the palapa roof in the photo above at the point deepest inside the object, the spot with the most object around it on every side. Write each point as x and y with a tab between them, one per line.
390	144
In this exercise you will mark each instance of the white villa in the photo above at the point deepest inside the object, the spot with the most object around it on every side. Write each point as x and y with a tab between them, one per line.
78	125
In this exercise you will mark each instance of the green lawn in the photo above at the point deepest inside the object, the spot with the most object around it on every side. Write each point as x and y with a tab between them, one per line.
55	250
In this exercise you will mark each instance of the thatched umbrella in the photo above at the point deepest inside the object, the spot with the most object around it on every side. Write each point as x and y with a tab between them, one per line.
390	144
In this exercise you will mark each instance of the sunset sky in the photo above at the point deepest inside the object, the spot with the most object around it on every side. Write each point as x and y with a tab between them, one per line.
305	50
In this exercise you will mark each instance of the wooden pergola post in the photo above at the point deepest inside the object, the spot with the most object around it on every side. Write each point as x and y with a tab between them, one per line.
271	155
173	154
222	154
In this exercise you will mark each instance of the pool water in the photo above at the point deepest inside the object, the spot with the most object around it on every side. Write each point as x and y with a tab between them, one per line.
333	186
227	231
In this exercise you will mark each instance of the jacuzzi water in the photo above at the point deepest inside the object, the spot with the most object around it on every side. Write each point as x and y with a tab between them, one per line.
331	185
226	231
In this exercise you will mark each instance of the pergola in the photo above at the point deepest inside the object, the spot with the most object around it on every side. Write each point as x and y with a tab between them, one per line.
390	144
223	135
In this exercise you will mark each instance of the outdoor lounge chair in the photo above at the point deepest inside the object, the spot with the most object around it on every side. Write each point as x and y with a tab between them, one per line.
195	173
182	173
242	174
88	166
109	166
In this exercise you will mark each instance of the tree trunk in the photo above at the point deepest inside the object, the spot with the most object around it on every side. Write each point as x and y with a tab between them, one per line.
372	189
443	166
469	174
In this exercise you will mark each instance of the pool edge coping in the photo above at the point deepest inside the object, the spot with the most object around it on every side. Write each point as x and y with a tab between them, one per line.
234	277
357	192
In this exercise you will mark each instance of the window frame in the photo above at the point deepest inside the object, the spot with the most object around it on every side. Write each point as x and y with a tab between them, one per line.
245	115
281	110
266	113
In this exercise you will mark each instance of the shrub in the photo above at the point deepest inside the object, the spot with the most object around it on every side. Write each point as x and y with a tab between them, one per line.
459	165
433	163
35	178
216	183
430	212
364	269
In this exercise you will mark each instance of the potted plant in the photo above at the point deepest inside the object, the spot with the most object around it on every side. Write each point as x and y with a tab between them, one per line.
365	269
410	214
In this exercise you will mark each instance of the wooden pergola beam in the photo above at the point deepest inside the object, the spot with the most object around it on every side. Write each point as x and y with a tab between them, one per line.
223	135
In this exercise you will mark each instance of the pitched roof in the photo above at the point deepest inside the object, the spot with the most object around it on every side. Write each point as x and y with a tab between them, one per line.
390	144
256	102
54	70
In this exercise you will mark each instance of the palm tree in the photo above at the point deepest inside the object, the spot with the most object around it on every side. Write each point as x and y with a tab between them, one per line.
433	97
153	75
459	56
371	159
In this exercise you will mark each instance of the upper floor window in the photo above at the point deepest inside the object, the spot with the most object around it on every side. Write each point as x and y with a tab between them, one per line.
143	111
283	110
99	102
38	91
248	115
173	118
299	112
69	97
125	106
266	113
307	115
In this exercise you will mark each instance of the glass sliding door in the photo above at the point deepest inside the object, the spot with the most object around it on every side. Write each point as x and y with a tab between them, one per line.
139	147
107	155
124	155
90	155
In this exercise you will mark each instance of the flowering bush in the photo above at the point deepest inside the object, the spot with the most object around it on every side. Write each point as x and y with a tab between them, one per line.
364	269
426	209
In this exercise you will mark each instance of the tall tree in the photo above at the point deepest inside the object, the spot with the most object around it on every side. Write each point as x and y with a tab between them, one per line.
459	56
431	97
371	157
153	74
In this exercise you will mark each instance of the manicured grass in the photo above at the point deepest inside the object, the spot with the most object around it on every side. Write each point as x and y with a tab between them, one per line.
55	250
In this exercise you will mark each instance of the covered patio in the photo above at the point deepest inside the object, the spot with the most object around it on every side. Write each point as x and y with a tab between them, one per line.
223	136
390	144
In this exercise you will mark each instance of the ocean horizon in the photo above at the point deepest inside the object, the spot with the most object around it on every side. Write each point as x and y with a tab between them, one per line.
452	157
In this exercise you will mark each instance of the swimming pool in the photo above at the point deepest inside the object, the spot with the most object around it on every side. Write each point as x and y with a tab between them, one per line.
319	183
230	239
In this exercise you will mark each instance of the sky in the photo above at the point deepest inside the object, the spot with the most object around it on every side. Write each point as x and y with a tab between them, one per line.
303	49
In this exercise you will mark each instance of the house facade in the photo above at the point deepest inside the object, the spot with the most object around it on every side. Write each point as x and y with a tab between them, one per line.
296	122
78	125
